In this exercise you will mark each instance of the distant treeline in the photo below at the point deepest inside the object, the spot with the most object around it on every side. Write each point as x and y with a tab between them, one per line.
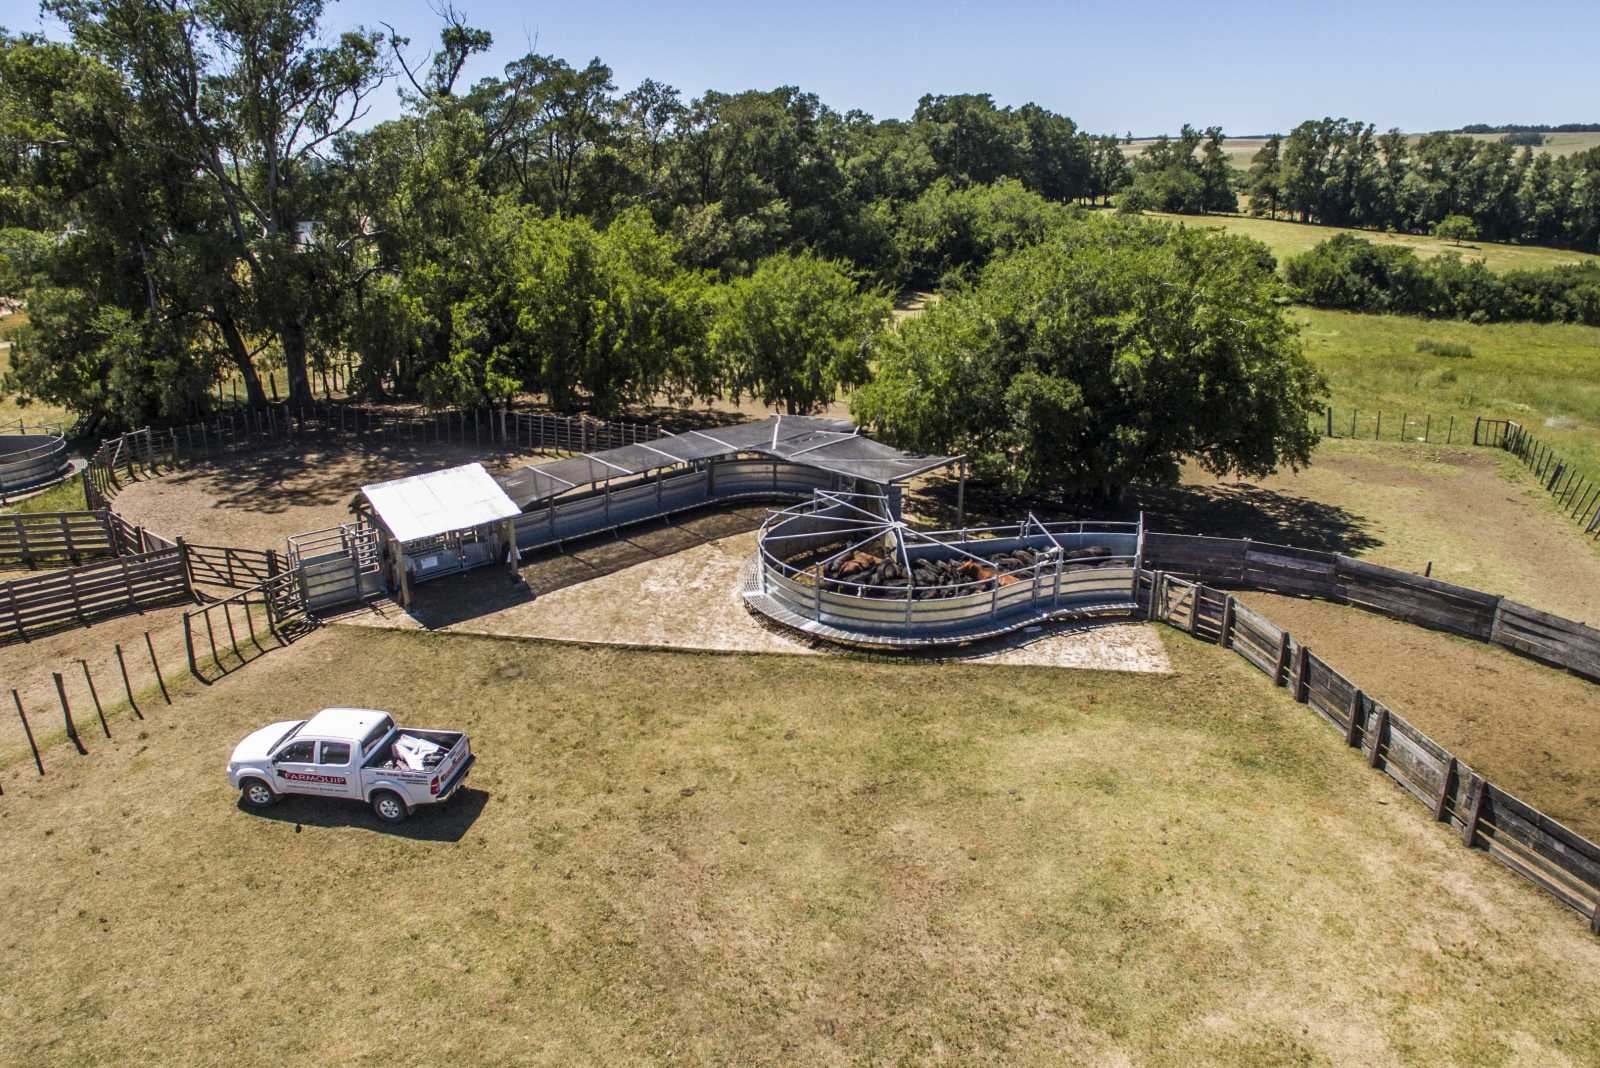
1355	274
1526	127
1342	173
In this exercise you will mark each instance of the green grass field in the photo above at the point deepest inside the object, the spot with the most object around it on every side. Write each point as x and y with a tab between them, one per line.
1544	375
1287	239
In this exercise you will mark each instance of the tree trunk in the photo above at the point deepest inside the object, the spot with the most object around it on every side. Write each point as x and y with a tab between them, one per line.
293	336
241	356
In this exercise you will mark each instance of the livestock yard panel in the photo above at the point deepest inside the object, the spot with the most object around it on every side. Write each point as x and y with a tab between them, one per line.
1424	601
39	538
81	595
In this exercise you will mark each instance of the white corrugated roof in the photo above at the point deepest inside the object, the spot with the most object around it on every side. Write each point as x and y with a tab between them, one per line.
434	502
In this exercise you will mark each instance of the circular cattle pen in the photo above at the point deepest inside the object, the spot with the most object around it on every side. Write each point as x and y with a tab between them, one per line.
31	457
843	567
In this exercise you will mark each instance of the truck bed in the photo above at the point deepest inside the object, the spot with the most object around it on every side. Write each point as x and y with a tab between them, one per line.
382	753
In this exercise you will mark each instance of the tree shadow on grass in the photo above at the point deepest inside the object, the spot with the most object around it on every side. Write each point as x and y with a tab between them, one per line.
1224	510
448	822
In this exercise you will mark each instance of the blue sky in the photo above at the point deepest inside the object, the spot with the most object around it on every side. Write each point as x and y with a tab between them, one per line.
1149	67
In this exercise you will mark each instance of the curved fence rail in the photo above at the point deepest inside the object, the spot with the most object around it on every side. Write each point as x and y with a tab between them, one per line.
31	457
793	586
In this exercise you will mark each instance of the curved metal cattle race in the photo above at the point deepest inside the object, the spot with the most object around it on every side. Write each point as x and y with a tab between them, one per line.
837	567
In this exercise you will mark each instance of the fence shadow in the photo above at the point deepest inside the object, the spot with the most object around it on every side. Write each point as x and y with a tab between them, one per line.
448	822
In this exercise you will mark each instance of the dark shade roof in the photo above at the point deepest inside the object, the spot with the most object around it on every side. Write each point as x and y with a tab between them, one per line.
832	445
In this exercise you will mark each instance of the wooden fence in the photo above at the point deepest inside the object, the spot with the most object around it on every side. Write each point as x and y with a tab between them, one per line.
1530	843
1575	492
238	569
79	595
145	451
1428	602
227	629
55	539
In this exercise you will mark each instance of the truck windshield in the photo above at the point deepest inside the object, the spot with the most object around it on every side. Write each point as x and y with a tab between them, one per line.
376	735
290	733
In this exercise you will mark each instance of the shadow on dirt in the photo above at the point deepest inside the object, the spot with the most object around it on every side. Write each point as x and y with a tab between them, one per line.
1232	510
448	822
491	589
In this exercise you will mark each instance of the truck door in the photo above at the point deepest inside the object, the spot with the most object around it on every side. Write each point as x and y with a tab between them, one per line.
294	768
336	770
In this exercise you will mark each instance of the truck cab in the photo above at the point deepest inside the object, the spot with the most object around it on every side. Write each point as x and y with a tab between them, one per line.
355	753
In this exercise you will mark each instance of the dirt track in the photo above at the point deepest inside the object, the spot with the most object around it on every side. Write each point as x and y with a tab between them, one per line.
1528	727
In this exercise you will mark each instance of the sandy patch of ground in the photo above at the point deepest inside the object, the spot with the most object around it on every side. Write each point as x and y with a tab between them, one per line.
677	586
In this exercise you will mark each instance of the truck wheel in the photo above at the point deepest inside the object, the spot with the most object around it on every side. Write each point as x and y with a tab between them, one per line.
389	807
257	794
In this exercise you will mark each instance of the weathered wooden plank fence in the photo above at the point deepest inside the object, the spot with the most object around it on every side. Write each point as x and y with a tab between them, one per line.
238	569
78	596
1530	843
53	539
1427	602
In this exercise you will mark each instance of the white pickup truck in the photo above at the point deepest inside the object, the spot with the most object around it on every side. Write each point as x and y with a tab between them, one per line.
351	752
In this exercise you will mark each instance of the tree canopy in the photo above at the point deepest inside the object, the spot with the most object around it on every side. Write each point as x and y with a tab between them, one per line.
1110	353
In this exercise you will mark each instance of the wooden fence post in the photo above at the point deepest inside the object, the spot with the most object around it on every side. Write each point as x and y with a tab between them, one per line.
66	714
1469	830
28	731
188	647
1377	735
1353	723
96	695
1302	662
1225	635
1476	423
1283	659
1194	609
127	688
156	664
1443	799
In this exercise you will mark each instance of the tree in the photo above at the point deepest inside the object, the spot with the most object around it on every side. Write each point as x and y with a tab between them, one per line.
1264	183
1109	354
796	331
249	98
1455	228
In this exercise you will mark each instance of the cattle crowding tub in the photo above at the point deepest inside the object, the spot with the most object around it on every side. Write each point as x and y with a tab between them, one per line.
31	456
912	587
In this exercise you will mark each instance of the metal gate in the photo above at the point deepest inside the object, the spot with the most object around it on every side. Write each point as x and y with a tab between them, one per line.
337	565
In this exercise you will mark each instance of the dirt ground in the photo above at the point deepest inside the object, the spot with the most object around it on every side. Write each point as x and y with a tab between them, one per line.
29	667
1528	727
674	858
676	585
259	499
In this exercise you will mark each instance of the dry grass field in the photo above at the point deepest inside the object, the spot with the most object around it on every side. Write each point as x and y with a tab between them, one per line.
1239	150
674	858
679	857
1287	239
